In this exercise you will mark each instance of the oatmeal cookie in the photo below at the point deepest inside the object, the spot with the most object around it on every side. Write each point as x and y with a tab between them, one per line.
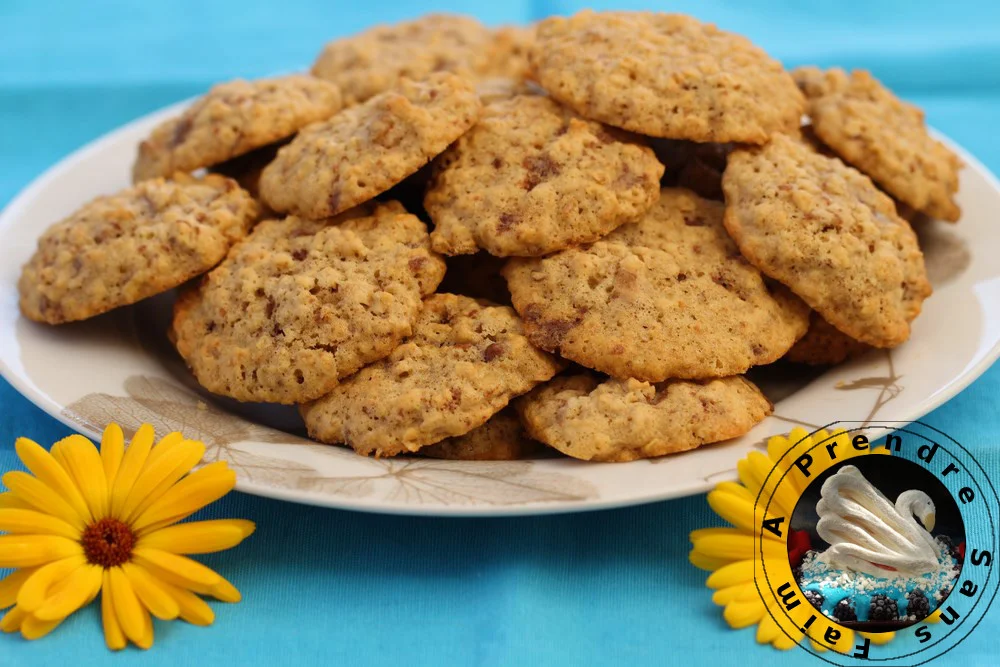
665	75
232	119
301	303
366	149
464	362
669	296
125	247
532	178
624	420
824	230
374	61
884	137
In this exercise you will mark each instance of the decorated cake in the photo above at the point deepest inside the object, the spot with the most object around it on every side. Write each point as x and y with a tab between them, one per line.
883	569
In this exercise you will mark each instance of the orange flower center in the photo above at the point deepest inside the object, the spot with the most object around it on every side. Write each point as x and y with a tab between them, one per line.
108	543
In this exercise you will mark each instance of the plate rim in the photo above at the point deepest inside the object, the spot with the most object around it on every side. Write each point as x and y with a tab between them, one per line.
41	400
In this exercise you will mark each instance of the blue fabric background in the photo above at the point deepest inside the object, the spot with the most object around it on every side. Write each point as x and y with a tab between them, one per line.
329	587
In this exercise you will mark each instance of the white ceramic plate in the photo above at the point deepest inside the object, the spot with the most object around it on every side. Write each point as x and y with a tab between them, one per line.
120	367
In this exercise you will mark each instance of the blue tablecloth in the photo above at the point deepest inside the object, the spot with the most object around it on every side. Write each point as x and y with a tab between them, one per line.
329	587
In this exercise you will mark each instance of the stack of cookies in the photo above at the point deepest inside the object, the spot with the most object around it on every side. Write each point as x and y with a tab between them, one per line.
478	244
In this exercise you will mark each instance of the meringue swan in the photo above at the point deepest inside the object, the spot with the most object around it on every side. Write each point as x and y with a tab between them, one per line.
869	534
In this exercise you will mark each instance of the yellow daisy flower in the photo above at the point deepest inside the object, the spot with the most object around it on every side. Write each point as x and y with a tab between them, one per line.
728	552
86	522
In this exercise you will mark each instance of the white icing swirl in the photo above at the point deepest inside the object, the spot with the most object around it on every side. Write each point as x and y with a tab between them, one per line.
869	534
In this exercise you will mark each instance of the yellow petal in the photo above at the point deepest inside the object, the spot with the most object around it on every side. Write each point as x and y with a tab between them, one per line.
736	489
739	572
784	642
161	474
782	496
767	630
127	607
31	550
186	572
706	562
42	498
194	610
791	634
166	443
878	638
199	537
12	620
11	584
189	495
113	635
31	522
787	452
699	533
36	588
724	596
225	591
147	630
85	466
112	450
740	614
739	547
9	500
48	471
79	589
737	511
150	593
132	464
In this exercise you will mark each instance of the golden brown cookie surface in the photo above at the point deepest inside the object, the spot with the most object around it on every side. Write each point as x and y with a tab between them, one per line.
364	150
665	75
235	118
666	297
531	178
463	363
301	304
824	230
137	243
374	61
625	420
884	137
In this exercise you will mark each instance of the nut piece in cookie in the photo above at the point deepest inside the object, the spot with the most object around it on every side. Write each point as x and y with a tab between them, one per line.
665	75
373	61
532	178
366	149
463	363
302	303
502	438
666	297
137	243
235	118
884	137
625	420
824	345
823	229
